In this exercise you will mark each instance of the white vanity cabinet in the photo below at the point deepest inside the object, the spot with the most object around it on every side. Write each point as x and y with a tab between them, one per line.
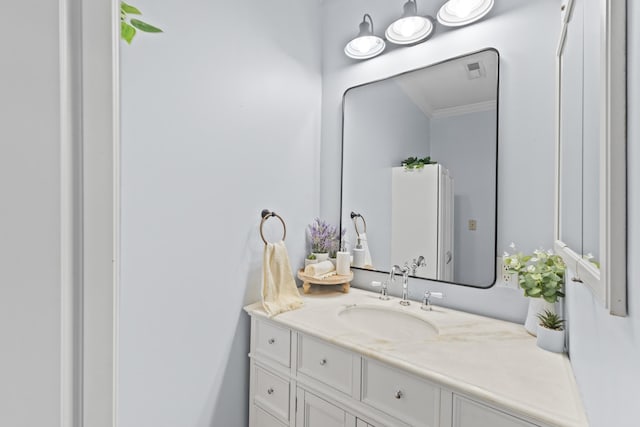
468	413
304	381
316	412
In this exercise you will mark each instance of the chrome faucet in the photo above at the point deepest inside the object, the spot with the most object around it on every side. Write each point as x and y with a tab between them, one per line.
420	262
405	280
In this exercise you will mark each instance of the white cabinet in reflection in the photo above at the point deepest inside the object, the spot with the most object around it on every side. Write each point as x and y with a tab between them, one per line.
422	219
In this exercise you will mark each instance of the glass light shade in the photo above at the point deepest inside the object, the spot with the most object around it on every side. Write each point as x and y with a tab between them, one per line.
364	47
456	13
410	29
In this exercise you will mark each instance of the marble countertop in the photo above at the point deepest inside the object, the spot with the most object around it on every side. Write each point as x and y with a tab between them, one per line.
494	360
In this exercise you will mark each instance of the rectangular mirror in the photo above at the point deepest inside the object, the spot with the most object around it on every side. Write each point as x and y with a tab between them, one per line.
444	211
591	137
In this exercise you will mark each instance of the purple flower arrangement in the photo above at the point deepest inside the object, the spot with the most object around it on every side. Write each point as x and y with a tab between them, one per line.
324	237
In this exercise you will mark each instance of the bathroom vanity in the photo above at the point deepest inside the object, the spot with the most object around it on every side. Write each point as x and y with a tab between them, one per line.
354	360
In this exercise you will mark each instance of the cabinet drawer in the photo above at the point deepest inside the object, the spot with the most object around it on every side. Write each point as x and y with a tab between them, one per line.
262	418
325	362
271	393
273	342
401	395
467	413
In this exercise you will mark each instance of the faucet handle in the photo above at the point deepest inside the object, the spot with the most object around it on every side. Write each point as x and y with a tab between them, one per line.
426	300
384	294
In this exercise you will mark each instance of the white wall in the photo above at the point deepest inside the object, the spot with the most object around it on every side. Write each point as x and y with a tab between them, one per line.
30	215
466	145
526	122
374	148
220	119
605	350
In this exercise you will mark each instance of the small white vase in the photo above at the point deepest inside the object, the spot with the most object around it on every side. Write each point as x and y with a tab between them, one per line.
536	306
321	256
308	261
550	339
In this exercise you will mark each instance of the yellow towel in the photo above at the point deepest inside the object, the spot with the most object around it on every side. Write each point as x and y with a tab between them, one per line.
279	291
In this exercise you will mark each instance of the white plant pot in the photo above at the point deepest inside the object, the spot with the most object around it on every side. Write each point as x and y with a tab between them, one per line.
536	306
550	340
321	256
309	262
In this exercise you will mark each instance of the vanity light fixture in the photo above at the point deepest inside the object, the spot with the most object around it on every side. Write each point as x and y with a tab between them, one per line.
366	45
456	13
410	28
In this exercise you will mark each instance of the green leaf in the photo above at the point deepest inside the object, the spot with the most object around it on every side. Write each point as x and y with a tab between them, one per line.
534	292
127	8
127	32
143	26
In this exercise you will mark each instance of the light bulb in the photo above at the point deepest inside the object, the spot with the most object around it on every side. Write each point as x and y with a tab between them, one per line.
364	47
408	26
409	30
457	13
462	8
364	44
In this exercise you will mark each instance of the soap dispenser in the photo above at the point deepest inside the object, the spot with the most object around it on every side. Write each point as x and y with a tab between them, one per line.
343	260
358	254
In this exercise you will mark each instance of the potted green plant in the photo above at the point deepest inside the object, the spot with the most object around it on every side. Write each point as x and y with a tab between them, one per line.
415	163
310	259
541	277
550	332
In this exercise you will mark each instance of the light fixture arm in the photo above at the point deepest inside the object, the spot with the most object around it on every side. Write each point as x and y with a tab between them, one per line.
410	8
366	29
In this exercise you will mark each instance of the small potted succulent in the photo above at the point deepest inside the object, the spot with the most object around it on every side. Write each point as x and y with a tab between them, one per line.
541	277
310	259
324	237
550	332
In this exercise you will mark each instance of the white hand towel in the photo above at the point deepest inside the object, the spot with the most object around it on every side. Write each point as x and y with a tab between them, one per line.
320	270
279	291
365	246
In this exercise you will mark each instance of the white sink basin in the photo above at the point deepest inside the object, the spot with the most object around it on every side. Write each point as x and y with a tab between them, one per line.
388	324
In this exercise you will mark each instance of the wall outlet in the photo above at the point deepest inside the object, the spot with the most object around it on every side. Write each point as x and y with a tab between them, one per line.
504	278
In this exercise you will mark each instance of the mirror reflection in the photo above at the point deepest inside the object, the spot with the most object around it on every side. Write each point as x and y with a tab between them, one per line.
420	167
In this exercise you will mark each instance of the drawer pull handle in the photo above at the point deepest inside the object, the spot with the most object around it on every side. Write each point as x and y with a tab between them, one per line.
398	394
272	341
323	362
270	391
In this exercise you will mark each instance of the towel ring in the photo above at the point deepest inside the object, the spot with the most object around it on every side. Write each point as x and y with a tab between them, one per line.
354	217
266	214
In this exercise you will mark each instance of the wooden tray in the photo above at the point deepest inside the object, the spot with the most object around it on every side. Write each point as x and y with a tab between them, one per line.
307	281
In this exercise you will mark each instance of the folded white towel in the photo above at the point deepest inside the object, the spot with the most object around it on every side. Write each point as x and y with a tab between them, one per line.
367	254
320	270
279	291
